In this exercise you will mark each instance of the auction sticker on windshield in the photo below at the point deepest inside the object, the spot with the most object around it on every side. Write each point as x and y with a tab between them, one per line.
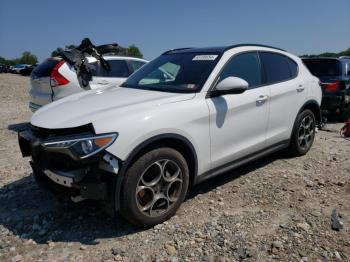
205	57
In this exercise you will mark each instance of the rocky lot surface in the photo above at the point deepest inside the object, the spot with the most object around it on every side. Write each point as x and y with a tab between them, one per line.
275	209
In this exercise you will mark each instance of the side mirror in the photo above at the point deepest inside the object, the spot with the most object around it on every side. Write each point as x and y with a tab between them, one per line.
230	85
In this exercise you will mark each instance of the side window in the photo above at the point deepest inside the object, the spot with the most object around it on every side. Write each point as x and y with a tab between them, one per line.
170	70
245	66
293	67
135	65
276	67
164	73
119	68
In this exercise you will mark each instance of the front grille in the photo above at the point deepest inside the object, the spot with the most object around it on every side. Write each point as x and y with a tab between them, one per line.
54	160
45	133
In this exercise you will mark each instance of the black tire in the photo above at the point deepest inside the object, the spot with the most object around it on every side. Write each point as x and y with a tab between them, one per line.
138	192
302	137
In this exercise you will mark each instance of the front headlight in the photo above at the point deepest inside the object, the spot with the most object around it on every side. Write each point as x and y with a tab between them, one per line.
80	147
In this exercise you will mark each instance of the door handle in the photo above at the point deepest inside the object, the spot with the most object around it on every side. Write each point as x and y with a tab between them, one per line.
261	100
300	88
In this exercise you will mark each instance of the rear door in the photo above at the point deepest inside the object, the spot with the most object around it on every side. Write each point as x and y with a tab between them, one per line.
115	77
41	91
286	94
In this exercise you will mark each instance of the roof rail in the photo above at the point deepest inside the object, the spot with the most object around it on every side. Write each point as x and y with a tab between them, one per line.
344	56
177	49
239	45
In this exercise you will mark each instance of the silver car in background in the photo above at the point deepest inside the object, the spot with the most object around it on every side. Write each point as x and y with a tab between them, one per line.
54	78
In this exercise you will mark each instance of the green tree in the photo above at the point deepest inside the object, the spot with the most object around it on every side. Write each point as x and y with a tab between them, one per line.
134	51
329	54
346	52
3	60
56	52
28	58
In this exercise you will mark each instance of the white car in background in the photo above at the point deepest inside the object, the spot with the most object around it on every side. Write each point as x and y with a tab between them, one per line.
15	69
54	78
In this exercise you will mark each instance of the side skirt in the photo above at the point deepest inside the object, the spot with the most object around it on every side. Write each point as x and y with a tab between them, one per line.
236	163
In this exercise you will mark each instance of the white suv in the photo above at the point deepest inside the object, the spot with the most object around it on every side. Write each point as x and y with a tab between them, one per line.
187	116
54	79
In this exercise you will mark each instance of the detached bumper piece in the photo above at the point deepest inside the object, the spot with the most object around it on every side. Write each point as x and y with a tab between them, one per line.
90	178
64	179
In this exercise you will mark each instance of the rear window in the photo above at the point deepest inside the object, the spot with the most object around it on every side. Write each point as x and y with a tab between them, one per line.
277	67
45	68
323	67
119	68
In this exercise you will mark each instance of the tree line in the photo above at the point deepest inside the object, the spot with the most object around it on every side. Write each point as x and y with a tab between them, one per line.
31	59
26	58
132	50
329	54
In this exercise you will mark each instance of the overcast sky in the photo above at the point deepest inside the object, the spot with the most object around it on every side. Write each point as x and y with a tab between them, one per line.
299	26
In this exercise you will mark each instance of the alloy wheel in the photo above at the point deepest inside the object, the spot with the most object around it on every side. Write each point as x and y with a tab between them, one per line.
159	187
306	132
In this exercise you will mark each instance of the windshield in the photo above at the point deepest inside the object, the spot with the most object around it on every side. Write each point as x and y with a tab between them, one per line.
323	67
177	72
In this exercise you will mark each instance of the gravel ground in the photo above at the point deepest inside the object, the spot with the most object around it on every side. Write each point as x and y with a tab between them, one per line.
275	209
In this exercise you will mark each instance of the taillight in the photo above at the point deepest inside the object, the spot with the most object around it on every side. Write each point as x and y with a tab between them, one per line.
333	87
56	78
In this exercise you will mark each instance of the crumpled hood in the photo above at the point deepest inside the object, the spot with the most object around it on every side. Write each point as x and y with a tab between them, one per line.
86	107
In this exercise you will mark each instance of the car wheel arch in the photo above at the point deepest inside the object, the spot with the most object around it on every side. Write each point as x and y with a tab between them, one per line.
312	105
175	141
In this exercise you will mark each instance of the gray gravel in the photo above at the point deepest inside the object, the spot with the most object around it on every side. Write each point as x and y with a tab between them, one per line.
275	209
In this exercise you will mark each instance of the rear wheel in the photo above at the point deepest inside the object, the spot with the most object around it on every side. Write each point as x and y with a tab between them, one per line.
303	133
154	187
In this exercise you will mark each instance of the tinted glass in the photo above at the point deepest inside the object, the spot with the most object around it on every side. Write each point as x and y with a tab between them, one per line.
293	67
276	67
245	66
135	65
119	68
323	67
45	68
174	72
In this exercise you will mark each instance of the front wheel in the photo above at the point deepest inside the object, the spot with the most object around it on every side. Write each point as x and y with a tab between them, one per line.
303	133
154	187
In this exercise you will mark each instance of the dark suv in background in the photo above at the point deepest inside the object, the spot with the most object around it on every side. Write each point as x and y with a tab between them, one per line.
334	74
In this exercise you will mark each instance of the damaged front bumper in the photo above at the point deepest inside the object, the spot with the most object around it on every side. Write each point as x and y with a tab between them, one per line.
91	177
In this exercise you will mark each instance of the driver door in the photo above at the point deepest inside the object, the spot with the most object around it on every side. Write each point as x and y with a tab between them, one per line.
238	122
